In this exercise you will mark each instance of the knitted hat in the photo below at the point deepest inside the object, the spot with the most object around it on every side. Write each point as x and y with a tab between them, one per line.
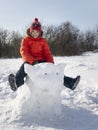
35	25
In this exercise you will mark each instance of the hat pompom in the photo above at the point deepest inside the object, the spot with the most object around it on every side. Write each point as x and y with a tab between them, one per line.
36	19
35	25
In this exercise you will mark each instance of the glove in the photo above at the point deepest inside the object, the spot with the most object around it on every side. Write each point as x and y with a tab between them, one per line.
35	62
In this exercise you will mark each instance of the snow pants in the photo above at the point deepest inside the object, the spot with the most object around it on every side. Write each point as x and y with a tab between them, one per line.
20	75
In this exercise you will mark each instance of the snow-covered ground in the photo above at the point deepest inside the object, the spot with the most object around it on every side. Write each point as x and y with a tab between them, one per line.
78	109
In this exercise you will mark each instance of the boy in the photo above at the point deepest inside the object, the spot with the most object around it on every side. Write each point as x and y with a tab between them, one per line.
34	49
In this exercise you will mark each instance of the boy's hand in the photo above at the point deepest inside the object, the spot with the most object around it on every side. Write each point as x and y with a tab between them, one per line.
35	62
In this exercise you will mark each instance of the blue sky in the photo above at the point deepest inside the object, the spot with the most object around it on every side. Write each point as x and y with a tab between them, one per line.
18	14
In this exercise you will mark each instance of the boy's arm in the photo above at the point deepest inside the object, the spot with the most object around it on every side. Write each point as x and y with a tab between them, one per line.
24	51
47	53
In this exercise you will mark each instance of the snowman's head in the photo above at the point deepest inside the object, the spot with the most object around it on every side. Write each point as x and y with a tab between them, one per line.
45	73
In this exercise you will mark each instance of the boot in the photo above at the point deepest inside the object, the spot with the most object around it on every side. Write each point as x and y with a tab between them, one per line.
12	82
71	82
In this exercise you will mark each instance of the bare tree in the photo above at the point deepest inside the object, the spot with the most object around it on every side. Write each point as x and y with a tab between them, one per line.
14	42
3	40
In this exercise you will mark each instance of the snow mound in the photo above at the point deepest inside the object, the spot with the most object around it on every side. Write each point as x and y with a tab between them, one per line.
40	97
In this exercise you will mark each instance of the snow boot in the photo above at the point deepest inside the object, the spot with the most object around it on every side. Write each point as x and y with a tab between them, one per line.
71	82
12	82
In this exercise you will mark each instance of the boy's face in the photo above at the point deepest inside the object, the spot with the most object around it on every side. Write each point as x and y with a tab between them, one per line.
35	33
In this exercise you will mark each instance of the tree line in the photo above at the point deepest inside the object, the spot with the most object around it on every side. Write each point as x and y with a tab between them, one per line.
64	40
68	40
9	43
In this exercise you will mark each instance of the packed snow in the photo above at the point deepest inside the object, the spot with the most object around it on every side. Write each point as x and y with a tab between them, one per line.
43	103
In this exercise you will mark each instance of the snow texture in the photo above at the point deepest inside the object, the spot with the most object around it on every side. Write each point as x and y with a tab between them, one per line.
43	103
42	91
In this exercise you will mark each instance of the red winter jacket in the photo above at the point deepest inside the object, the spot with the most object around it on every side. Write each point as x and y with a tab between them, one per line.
33	49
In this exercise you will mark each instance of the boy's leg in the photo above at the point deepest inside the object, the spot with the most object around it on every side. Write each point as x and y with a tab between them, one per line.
20	76
18	80
71	82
